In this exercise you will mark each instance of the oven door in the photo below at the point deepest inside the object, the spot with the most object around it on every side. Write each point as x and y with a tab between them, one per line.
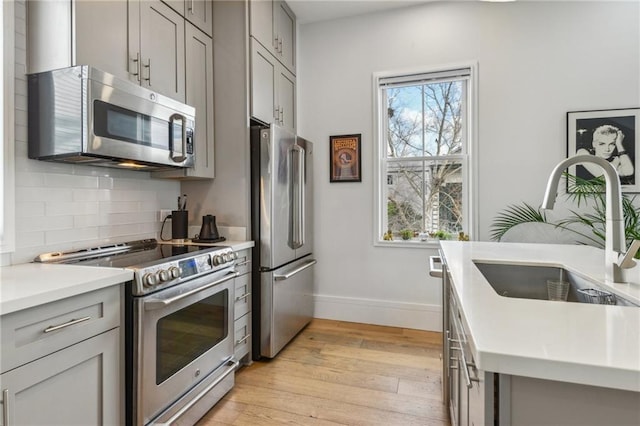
181	335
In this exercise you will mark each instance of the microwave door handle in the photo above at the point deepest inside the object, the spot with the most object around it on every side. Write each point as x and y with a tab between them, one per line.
181	155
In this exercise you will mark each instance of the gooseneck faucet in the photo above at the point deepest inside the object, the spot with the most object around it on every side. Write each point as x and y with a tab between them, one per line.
617	257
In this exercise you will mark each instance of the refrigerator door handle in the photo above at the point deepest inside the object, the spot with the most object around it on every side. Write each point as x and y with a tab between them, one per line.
281	277
297	197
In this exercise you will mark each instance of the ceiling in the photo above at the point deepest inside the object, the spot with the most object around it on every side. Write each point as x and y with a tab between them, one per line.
307	11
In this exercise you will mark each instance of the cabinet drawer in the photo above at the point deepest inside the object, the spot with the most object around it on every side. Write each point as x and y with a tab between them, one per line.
35	332
242	337
243	296
243	262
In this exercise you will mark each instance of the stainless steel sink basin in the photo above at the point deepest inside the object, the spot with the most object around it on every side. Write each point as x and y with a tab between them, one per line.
530	282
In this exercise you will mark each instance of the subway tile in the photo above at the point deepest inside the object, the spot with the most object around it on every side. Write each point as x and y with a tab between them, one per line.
42	194
30	209
46	223
24	180
71	207
30	239
86	220
119	207
125	218
86	194
71	181
71	235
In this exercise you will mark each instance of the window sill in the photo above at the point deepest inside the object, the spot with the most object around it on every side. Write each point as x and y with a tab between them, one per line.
428	244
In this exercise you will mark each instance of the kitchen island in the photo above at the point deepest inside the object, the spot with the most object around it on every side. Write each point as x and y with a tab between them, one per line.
540	346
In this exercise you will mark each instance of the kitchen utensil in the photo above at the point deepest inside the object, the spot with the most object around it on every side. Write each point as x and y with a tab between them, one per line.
179	224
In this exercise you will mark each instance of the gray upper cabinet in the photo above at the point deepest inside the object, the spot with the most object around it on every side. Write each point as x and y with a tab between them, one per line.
273	89
273	24
156	48
56	40
198	12
199	94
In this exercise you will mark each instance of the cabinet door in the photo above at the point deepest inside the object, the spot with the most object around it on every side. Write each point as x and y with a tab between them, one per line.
263	77
285	35
79	385
200	14
162	49
261	22
286	99
94	20
199	54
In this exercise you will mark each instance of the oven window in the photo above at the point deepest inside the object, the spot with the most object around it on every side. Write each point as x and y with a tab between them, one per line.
188	333
114	122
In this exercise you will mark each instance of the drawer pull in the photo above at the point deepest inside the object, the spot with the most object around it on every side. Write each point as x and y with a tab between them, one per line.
246	262
244	339
244	296
66	324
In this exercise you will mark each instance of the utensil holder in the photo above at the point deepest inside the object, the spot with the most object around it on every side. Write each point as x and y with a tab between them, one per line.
179	225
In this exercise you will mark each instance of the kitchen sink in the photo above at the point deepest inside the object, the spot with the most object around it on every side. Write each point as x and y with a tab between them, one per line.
530	282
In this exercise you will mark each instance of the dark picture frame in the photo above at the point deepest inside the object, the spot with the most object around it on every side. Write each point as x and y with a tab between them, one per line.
345	158
601	132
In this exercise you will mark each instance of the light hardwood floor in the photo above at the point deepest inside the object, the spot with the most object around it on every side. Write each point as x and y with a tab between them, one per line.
341	373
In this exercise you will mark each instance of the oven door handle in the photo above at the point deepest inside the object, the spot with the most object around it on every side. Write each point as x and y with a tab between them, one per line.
153	304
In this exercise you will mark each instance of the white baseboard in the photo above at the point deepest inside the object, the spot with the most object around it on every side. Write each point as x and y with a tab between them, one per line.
379	312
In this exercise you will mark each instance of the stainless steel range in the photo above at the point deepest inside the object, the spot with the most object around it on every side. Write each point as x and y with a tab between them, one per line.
178	326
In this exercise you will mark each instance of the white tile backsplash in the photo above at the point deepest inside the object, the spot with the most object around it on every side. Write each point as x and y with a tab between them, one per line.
64	207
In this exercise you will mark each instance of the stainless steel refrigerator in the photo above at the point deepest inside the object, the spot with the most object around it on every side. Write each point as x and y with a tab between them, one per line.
282	226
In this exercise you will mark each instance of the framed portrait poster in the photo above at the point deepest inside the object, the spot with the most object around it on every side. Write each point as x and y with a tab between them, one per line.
612	134
345	158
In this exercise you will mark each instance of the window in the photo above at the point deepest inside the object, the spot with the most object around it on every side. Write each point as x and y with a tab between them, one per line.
424	155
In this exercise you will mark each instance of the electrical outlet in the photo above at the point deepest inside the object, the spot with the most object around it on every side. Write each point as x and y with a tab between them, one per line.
164	213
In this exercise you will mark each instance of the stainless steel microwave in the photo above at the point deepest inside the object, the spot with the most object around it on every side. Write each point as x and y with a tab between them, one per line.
83	115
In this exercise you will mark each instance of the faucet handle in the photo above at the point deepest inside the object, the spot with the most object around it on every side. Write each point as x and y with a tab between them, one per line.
625	260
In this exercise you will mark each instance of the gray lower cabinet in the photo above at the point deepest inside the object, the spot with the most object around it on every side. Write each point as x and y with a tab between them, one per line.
242	308
78	385
62	362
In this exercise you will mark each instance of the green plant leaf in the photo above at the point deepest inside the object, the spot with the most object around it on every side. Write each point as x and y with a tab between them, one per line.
515	215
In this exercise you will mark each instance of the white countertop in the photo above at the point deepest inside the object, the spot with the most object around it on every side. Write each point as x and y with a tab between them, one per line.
31	284
582	343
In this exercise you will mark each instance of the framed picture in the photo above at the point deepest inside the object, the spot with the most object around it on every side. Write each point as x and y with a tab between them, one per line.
612	134
345	158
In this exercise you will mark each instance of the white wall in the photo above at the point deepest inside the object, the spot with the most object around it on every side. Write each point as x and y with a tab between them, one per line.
60	206
537	60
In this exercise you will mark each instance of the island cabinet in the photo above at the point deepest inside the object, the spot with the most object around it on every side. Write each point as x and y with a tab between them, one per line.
242	308
273	89
62	362
476	397
273	25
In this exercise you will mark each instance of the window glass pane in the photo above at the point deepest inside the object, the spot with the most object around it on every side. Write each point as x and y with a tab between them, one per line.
424	196
424	119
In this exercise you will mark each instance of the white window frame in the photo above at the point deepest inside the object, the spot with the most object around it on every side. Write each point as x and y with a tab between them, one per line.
470	169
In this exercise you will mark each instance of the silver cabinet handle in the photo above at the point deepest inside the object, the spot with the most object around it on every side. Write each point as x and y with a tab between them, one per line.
148	67
280	46
244	296
65	325
246	262
137	62
5	408
281	116
190	7
279	277
244	339
161	303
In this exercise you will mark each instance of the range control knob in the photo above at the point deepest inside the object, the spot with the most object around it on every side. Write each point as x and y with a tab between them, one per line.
164	275
217	260
175	272
149	279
